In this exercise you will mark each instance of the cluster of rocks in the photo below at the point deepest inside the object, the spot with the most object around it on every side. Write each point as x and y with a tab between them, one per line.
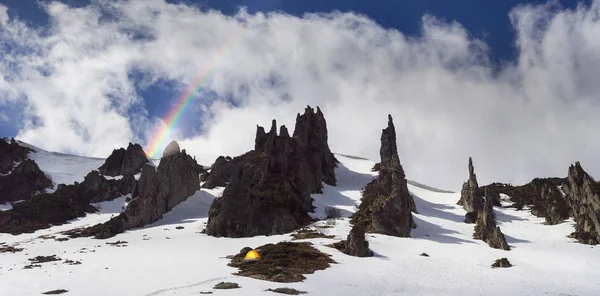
66	203
19	182
269	188
39	210
481	212
557	199
157	192
386	203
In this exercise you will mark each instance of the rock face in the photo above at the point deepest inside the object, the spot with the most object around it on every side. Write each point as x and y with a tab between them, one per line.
311	134
23	181
219	174
171	149
270	187
486	229
11	152
124	161
20	182
542	195
386	203
158	191
356	245
470	196
66	203
582	195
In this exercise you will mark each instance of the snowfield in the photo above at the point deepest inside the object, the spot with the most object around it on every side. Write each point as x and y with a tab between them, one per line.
160	259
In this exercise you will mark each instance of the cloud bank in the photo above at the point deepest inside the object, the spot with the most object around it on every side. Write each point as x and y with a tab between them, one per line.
532	117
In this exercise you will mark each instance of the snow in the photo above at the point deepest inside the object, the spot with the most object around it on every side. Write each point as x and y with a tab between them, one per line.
160	259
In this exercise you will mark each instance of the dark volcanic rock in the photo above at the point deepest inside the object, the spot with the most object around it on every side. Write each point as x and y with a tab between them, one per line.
158	191
219	174
311	134
582	195
24	180
11	152
486	229
386	203
356	245
123	162
270	187
471	197
66	203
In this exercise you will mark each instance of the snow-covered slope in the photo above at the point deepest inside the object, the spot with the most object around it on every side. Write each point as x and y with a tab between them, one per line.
162	260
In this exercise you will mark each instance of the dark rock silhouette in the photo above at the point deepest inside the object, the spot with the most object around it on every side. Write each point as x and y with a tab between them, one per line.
270	187
470	196
555	208
11	152
582	195
386	203
158	191
219	173
486	229
311	133
66	203
124	161
23	181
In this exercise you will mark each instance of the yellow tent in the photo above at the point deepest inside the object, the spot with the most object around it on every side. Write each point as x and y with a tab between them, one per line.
252	255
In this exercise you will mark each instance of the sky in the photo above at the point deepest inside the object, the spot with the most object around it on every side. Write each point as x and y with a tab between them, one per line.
512	84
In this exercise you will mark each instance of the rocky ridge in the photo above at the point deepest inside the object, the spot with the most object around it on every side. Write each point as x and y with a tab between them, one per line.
124	161
270	187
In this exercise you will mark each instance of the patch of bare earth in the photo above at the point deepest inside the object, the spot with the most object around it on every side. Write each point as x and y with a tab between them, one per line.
284	262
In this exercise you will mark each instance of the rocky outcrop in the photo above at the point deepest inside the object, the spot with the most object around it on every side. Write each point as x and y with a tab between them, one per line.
356	245
386	203
582	195
311	133
23	181
471	197
270	187
66	203
124	161
219	173
555	208
171	149
11	152
158	191
486	229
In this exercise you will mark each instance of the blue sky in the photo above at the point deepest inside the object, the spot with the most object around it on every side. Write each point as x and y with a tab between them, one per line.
510	83
486	20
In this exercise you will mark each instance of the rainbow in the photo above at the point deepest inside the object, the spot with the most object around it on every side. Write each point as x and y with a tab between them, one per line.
162	134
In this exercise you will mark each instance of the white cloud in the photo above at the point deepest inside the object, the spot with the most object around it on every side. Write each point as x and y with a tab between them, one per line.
3	15
531	118
4	117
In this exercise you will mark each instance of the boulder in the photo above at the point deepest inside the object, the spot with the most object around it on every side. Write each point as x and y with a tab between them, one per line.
171	149
471	197
486	229
386	203
124	161
582	195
